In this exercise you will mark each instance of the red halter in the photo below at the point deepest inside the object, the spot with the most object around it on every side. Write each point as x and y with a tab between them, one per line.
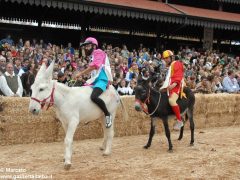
147	101
43	102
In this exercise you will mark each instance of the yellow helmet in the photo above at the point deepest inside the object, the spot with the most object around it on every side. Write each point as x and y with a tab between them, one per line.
167	54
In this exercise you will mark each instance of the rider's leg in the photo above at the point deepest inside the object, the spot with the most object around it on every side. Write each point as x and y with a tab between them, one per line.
95	98
101	104
173	102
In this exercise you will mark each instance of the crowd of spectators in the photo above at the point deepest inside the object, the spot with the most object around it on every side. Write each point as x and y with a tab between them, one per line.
205	71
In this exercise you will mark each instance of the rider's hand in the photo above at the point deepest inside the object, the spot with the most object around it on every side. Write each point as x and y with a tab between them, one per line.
170	87
163	90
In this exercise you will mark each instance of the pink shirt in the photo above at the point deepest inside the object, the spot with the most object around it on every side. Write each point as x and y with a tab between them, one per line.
98	58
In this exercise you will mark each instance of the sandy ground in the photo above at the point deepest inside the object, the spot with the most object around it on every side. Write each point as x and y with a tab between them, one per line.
216	155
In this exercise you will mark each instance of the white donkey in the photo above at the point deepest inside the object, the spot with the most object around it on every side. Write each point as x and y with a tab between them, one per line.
73	104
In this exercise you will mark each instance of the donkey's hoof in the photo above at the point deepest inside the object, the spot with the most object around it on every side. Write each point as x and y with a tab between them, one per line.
170	151
67	166
106	153
86	123
191	144
146	147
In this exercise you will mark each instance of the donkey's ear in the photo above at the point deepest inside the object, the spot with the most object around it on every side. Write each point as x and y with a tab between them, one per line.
41	71
49	71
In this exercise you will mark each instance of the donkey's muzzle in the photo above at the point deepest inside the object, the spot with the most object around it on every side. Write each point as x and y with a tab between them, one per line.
34	111
138	106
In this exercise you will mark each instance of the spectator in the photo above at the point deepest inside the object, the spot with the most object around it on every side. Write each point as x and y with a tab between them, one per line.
159	63
212	83
11	83
115	83
124	68
191	82
42	44
17	65
68	56
218	85
28	79
230	83
62	78
70	49
27	45
19	45
132	86
9	57
133	72
125	52
7	40
13	51
203	86
24	67
123	89
2	64
189	71
55	75
145	74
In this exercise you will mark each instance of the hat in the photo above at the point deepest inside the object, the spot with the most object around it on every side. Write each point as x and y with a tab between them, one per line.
89	40
167	54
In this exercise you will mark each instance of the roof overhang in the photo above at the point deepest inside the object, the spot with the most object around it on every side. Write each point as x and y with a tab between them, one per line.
103	7
229	1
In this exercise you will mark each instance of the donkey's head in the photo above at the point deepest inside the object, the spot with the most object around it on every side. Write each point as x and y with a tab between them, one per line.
142	92
42	89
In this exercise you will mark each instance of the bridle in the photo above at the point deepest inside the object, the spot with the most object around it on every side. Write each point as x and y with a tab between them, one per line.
147	101
43	102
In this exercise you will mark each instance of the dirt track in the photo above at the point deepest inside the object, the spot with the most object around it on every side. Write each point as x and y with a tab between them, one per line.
216	155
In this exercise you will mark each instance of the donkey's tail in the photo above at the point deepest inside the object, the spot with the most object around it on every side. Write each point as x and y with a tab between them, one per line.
125	113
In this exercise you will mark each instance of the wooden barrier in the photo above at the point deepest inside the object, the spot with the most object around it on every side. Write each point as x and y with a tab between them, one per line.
18	126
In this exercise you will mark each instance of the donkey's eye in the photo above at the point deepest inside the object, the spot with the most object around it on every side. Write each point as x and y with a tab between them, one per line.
143	92
41	89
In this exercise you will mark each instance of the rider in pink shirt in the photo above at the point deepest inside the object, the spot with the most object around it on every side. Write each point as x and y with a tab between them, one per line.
100	75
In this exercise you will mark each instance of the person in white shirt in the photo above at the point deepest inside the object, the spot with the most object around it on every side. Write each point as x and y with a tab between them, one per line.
230	83
123	89
10	83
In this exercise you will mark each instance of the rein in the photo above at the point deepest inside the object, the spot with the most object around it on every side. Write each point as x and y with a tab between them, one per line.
147	101
43	102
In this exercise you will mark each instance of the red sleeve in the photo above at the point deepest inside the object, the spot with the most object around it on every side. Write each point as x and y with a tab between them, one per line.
177	74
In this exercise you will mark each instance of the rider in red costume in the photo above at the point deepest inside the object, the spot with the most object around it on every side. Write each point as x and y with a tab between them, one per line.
174	83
